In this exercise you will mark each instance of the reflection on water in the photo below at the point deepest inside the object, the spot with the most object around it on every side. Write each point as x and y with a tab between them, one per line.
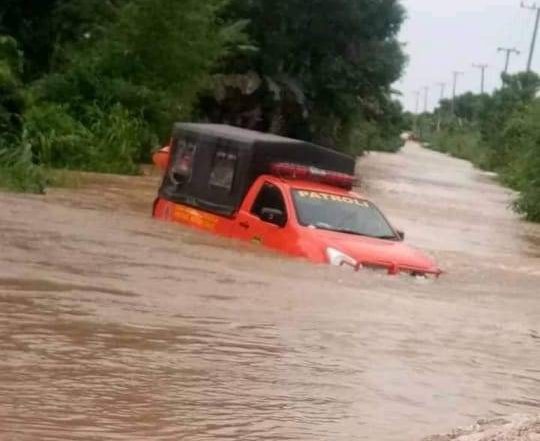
117	327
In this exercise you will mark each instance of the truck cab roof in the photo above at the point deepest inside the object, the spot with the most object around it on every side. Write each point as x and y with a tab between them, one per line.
212	166
300	184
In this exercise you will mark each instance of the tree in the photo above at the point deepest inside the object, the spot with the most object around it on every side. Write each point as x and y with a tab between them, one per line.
43	27
152	59
323	66
29	22
11	89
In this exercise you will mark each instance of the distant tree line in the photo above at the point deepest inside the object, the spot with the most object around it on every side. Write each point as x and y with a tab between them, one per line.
96	84
499	132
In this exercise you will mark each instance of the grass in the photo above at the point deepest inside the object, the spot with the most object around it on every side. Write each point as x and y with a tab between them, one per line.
19	173
466	144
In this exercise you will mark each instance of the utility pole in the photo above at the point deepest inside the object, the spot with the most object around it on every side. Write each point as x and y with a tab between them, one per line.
456	74
482	68
417	95
443	87
536	8
426	98
439	113
509	51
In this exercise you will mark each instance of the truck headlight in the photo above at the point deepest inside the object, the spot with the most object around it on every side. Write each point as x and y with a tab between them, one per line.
337	258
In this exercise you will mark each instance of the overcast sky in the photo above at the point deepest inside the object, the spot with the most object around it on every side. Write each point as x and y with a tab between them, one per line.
446	35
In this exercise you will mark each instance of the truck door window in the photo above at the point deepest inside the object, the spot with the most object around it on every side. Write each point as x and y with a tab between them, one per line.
269	197
182	162
223	169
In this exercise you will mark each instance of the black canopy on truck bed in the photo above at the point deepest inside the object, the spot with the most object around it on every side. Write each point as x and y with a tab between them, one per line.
212	166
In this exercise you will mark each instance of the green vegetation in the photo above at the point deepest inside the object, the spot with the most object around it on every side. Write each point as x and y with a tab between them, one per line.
499	132
96	85
19	173
17	170
320	71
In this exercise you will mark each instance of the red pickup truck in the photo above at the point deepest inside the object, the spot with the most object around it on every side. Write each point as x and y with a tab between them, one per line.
288	195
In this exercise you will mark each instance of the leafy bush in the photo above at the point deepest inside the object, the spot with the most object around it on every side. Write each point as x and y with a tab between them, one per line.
115	141
104	141
17	170
367	136
464	143
521	139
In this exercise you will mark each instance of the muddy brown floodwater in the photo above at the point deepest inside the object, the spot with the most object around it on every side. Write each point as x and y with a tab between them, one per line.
117	327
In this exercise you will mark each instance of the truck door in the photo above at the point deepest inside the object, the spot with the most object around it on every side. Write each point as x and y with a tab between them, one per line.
252	226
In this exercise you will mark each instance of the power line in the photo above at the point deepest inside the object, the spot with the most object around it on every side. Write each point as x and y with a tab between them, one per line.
509	51
482	68
535	8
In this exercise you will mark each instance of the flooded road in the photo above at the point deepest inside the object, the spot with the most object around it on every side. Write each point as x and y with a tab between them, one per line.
117	327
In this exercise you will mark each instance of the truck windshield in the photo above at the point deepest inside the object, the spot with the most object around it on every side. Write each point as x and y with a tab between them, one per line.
344	214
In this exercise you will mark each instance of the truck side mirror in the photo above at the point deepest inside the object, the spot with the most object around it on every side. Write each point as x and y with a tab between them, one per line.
401	235
273	216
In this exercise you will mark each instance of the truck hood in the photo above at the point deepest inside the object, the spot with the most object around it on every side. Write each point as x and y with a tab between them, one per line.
395	256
